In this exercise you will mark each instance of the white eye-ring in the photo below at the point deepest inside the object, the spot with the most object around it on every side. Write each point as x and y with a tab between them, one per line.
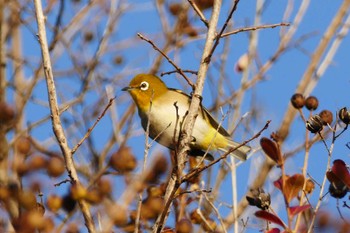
144	86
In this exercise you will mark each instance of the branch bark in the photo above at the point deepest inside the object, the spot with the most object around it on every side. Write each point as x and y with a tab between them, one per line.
55	113
174	181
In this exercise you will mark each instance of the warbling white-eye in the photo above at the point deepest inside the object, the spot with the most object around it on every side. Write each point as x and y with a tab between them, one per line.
169	108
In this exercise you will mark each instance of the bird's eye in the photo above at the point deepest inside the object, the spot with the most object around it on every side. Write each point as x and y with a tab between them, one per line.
144	86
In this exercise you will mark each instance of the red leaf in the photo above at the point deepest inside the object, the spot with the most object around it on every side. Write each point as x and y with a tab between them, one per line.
269	217
297	209
273	230
271	149
278	183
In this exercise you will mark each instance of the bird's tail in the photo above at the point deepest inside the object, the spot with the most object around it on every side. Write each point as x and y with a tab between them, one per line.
240	153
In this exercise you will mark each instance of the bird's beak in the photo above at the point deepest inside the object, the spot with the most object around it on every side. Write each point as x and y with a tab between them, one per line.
127	88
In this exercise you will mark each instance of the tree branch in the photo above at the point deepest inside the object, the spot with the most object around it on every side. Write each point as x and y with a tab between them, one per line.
55	113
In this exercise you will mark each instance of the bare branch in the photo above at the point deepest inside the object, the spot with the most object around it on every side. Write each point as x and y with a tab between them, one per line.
55	113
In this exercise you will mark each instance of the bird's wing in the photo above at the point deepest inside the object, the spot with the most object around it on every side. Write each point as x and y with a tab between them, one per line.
206	115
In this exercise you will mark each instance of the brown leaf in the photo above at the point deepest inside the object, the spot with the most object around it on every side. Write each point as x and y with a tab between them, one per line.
293	186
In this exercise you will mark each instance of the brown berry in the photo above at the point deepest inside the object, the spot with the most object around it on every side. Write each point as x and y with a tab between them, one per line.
37	162
298	101
78	191
190	31
36	220
94	196
55	166
196	217
104	186
7	112
155	191
326	116
184	226
54	203
118	60
156	204
4	193
175	8
23	145
22	169
27	199
88	36
311	103
118	214
123	160
204	4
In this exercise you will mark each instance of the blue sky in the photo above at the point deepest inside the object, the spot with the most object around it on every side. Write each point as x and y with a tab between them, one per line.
270	96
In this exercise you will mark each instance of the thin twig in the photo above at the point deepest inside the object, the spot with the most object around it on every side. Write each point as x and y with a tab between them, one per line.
218	37
199	13
195	172
93	126
253	28
179	70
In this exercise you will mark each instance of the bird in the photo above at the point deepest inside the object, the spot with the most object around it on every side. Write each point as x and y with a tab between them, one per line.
163	110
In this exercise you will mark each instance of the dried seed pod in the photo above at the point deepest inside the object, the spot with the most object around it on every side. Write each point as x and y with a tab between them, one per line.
338	191
259	199
309	186
326	116
297	100
344	115
311	103
314	124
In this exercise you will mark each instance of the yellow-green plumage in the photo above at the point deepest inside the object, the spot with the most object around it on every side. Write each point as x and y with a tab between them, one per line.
169	109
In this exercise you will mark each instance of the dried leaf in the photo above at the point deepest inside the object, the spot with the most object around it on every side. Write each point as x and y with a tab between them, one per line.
297	209
293	186
269	217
